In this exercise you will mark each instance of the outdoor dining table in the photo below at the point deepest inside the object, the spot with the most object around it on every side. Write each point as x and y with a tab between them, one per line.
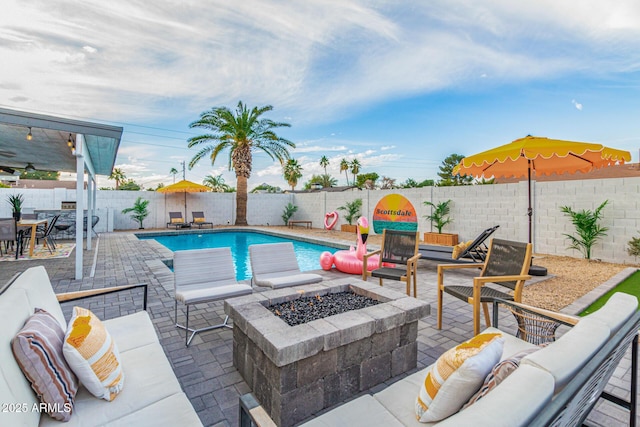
33	223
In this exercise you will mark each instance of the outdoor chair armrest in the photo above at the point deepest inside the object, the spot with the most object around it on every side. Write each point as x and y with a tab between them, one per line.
252	413
369	254
78	295
456	266
492	279
562	318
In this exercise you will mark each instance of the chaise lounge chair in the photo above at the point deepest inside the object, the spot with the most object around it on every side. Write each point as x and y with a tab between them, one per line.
476	252
275	265
202	276
176	220
199	220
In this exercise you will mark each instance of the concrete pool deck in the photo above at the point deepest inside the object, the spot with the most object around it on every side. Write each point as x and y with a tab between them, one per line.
205	369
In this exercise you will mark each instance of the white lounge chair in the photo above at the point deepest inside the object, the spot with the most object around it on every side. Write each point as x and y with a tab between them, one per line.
275	265
201	276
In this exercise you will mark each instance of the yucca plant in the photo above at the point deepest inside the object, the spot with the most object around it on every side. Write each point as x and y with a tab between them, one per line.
16	201
587	228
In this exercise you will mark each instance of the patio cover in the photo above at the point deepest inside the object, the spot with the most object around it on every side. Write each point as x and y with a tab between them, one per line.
96	147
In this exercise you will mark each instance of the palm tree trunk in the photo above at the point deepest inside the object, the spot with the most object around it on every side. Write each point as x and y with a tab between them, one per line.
241	201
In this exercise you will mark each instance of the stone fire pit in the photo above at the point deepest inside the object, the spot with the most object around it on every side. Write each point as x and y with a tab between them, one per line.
296	371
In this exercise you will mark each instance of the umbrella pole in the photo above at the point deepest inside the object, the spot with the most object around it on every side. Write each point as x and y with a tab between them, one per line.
530	209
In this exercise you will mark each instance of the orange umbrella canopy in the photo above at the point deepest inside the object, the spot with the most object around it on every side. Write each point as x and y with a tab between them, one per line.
543	155
184	186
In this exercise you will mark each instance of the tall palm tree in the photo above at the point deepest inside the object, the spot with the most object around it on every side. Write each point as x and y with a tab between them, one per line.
344	167
324	162
241	132
118	176
174	172
355	168
216	183
292	172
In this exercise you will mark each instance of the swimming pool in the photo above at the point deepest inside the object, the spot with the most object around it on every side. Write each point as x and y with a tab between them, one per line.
307	254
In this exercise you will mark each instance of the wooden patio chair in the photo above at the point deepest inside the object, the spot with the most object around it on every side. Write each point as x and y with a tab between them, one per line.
401	249
506	265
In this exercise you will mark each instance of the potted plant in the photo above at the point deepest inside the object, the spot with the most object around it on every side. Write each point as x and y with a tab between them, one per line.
16	200
139	210
439	217
352	210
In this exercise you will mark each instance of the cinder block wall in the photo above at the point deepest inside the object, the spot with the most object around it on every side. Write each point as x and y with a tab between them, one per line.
473	209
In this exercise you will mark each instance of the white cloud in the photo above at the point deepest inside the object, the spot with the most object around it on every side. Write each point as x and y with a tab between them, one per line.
576	104
387	147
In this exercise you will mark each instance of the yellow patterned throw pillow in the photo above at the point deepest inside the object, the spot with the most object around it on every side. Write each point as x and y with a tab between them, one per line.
456	376
93	355
458	250
176	221
199	219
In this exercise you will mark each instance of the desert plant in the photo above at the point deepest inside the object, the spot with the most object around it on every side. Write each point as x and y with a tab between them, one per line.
633	248
138	211
289	210
16	201
352	210
587	228
439	215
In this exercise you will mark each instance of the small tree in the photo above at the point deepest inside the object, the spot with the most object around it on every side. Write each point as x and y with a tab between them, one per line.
587	228
139	210
289	210
352	210
439	214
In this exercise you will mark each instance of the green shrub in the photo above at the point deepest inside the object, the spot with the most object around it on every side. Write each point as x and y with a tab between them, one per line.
289	210
352	210
634	246
439	214
587	228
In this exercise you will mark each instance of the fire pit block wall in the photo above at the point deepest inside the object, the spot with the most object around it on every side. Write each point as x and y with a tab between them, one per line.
296	371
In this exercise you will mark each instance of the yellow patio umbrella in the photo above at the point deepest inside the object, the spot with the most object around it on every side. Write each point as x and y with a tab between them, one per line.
185	187
543	155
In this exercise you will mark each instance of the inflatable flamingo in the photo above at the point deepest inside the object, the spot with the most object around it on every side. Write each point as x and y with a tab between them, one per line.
350	261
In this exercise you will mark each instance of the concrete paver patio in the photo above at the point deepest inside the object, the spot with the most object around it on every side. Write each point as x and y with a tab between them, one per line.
205	369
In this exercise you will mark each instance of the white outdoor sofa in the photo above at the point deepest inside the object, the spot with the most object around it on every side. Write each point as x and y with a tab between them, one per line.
556	385
151	395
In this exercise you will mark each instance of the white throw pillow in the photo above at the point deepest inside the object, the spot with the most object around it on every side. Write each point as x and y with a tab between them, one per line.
456	376
93	355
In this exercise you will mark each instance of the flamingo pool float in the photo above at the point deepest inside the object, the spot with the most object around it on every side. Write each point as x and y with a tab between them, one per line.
350	261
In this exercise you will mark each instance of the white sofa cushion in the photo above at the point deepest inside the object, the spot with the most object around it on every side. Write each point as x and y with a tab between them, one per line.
617	310
150	379
515	402
364	411
132	331
565	357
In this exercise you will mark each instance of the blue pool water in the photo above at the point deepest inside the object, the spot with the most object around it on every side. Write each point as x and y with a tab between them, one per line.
307	254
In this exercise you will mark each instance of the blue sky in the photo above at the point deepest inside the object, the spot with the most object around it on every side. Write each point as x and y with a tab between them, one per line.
397	85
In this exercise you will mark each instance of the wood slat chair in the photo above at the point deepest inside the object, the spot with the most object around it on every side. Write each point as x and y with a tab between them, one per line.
398	248
506	265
